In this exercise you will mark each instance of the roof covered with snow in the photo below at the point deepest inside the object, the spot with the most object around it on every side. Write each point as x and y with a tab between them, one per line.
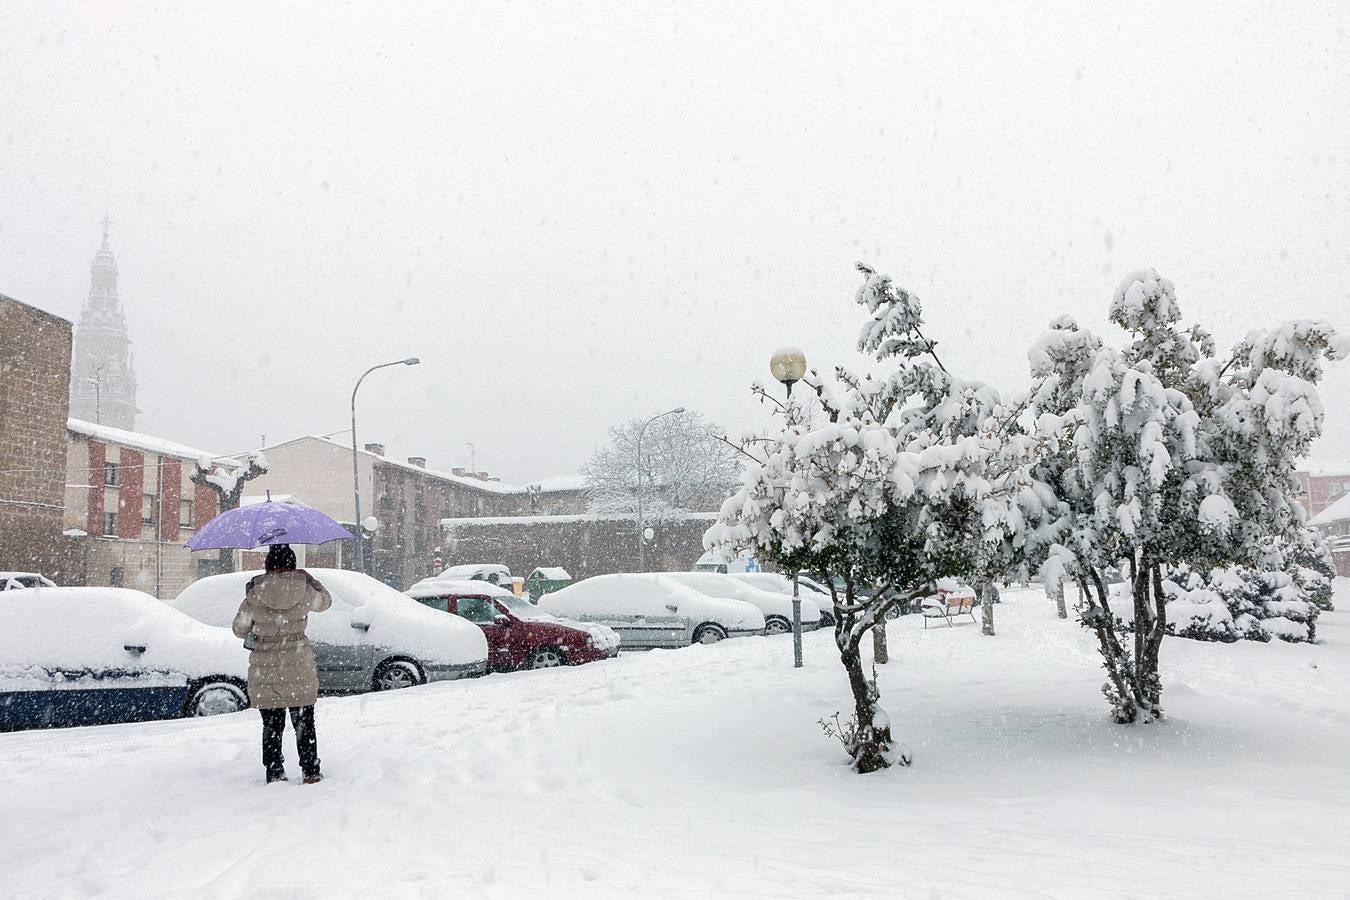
557	483
1325	468
1336	512
577	517
135	440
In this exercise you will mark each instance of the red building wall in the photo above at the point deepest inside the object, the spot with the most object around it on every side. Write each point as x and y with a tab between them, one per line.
203	505
131	481
98	455
172	493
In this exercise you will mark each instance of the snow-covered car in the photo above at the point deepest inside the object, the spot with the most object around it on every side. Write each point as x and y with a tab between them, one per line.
777	608
520	635
93	656
782	584
17	581
492	573
654	611
371	638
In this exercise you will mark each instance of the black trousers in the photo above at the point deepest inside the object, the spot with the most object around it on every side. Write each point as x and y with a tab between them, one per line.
306	741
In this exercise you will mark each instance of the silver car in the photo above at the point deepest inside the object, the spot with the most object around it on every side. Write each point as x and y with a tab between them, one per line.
650	611
372	638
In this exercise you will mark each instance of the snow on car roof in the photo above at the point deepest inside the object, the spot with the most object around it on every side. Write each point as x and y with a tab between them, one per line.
443	587
552	573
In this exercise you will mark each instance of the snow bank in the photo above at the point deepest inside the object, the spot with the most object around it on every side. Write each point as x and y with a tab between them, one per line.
398	623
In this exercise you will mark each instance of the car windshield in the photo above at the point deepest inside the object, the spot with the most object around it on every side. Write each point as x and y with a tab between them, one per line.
521	608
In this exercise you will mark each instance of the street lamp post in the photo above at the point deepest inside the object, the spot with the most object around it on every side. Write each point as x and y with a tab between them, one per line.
788	365
356	477
641	538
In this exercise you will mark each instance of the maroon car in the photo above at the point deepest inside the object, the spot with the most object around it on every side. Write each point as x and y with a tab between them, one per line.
519	634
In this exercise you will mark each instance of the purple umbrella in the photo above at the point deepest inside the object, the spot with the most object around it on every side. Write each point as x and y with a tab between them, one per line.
260	524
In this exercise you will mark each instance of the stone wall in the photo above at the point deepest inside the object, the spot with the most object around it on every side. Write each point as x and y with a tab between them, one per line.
35	349
584	545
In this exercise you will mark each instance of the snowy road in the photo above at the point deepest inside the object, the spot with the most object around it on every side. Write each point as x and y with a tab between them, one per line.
701	772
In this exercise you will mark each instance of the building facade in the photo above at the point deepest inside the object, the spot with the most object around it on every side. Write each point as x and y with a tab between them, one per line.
35	350
102	378
130	498
406	497
1322	482
584	545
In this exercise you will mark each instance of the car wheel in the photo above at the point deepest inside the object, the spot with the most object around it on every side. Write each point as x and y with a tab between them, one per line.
826	619
893	613
709	634
776	626
547	658
396	674
216	697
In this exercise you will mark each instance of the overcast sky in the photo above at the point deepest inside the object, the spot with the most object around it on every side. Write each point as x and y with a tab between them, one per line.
576	214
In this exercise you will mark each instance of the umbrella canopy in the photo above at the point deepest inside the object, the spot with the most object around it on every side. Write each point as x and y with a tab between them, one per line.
261	524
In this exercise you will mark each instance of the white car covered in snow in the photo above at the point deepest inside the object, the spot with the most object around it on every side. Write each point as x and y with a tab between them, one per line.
18	581
651	611
93	656
782	584
371	638
777	607
492	573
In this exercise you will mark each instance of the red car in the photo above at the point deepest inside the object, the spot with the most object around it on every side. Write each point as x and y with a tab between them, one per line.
519	634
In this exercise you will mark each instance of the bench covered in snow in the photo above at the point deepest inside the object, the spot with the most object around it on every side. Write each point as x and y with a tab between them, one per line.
947	605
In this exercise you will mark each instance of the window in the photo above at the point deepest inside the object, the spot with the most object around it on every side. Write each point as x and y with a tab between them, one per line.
185	513
110	474
110	524
115	577
439	603
476	609
147	509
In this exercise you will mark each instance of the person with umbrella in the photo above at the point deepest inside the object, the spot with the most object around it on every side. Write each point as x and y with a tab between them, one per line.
272	620
281	671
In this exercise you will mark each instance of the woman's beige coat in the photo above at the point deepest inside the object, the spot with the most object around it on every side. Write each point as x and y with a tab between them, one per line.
281	670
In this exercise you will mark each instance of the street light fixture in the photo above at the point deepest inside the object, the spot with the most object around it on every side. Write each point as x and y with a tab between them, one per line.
641	535
356	477
788	365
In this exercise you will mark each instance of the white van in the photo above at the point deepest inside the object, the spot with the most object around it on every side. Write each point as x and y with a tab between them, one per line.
717	562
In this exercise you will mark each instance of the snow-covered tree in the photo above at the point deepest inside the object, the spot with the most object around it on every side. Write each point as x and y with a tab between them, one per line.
1163	457
685	466
227	478
903	482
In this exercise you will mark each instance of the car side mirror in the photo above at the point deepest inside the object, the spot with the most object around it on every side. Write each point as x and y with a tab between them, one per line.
501	620
361	618
136	649
673	607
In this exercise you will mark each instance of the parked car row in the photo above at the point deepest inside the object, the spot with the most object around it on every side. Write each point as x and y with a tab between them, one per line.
75	656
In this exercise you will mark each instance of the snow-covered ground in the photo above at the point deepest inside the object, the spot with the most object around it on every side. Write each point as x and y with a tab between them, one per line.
701	772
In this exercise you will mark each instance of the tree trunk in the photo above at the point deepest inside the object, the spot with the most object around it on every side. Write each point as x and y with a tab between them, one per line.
872	740
1059	601
987	607
1119	689
880	655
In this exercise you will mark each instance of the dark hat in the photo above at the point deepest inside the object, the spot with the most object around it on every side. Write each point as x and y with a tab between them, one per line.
280	558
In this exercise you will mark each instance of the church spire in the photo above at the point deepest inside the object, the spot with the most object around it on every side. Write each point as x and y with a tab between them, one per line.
102	380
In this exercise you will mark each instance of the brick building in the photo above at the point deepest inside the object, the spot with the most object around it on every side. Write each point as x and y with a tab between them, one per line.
406	497
584	545
132	498
1322	483
35	350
